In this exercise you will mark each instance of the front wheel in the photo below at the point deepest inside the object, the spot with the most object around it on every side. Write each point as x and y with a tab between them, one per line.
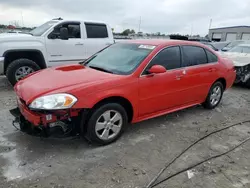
106	123
20	68
214	96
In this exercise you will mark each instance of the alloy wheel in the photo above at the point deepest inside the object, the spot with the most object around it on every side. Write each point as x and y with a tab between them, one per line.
108	125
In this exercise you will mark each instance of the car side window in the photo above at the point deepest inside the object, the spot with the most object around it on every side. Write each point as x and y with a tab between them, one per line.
170	58
96	30
212	58
74	31
193	55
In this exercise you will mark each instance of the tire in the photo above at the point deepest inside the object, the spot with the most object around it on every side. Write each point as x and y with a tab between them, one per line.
248	83
97	115
15	65
209	104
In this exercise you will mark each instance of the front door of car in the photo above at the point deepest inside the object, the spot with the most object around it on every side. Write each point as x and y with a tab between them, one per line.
163	91
66	51
97	38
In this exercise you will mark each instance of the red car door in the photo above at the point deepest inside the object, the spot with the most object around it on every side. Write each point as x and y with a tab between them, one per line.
201	72
162	91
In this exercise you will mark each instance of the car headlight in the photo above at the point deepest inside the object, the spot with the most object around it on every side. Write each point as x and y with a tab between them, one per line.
54	102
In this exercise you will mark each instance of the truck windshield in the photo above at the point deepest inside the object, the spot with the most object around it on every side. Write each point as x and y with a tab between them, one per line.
120	58
41	29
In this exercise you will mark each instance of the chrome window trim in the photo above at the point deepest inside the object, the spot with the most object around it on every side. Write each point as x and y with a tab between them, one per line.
141	75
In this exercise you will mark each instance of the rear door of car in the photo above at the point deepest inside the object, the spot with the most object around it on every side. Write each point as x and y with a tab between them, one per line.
98	36
160	92
200	65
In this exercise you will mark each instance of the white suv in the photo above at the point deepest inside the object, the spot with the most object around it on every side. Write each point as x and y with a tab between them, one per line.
54	43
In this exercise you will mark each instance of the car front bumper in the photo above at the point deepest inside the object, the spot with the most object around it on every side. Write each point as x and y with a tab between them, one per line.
1	65
42	119
45	123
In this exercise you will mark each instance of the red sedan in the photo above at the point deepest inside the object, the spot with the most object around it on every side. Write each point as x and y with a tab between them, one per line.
124	83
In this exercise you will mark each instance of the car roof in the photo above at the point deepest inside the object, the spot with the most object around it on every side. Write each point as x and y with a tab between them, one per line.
161	42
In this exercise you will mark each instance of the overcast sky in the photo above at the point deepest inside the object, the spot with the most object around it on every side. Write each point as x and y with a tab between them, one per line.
165	16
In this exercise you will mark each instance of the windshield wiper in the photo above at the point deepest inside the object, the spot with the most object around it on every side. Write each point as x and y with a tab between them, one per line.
101	69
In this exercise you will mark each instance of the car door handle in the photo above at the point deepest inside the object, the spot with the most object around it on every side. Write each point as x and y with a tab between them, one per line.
79	44
211	70
178	77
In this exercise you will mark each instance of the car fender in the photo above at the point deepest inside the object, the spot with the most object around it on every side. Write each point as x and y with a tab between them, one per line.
127	91
22	43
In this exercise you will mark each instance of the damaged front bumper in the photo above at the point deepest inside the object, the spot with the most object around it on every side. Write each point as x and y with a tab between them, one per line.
44	123
242	74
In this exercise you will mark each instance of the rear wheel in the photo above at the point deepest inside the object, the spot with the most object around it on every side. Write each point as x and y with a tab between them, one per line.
214	96
106	123
20	68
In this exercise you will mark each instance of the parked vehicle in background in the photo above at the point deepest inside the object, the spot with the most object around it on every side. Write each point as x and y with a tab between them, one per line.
200	39
126	82
220	45
210	45
241	58
54	43
232	44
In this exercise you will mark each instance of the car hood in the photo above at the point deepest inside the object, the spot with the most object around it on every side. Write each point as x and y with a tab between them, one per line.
9	36
239	59
59	79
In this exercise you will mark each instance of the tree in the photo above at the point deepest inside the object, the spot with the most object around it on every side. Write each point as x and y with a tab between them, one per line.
127	32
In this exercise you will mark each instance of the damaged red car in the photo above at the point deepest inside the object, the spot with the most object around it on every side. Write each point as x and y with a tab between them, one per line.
125	83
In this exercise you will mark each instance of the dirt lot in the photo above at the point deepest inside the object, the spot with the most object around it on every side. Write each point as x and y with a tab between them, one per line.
137	157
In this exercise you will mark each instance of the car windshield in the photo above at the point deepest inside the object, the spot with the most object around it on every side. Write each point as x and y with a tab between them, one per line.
220	45
41	29
210	46
120	58
241	49
234	43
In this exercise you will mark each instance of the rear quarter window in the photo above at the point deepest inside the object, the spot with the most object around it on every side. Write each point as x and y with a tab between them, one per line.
212	58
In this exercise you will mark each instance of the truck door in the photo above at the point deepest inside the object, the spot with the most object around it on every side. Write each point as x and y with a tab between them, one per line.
98	36
66	51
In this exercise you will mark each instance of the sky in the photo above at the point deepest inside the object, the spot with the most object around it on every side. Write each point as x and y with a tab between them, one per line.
165	16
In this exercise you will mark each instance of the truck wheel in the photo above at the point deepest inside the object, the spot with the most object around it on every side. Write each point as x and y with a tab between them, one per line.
248	83
20	68
106	123
214	96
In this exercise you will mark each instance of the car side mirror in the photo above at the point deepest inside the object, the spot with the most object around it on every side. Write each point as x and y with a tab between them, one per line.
157	69
64	33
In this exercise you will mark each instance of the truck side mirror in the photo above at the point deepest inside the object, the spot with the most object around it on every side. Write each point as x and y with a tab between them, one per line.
64	33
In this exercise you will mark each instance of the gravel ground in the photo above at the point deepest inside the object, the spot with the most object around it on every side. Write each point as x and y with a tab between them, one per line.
137	156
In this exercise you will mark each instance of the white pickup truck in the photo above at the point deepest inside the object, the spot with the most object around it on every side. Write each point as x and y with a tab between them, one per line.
54	43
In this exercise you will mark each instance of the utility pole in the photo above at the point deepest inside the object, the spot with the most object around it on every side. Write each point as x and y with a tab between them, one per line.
139	25
191	30
210	23
22	18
